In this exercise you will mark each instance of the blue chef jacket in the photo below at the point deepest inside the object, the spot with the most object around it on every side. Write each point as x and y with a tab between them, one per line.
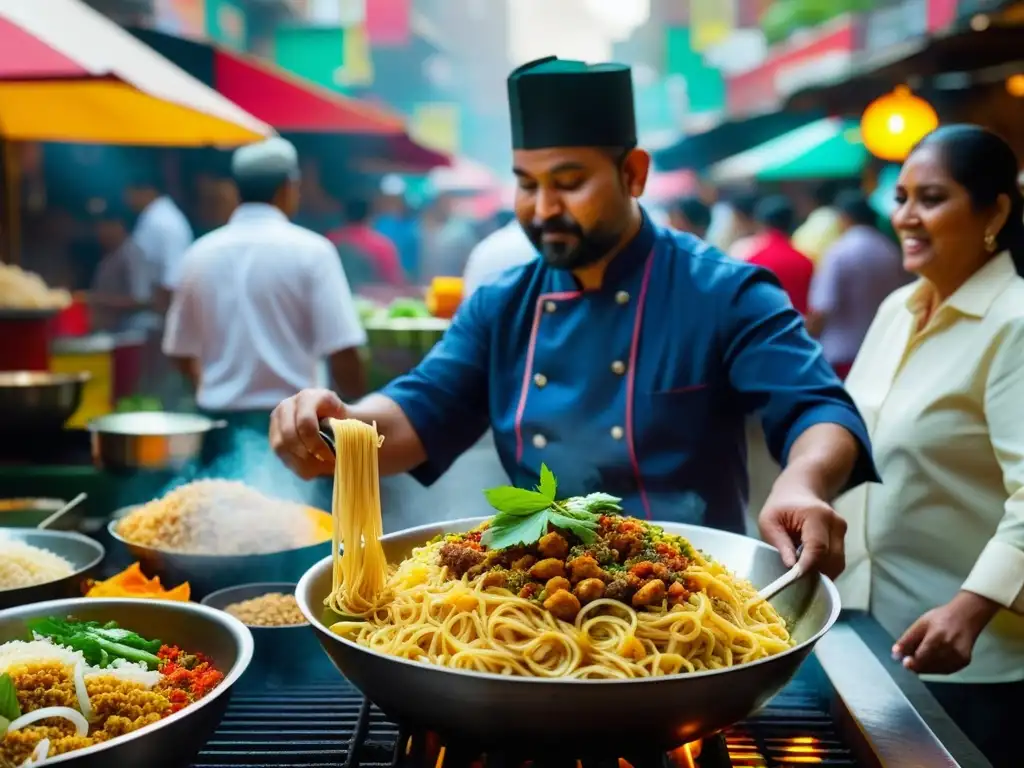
639	389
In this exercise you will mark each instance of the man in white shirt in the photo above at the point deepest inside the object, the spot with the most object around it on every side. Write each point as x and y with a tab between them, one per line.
262	301
162	233
503	249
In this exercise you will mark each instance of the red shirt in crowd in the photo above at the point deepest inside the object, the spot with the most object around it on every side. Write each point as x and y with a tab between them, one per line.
773	251
379	252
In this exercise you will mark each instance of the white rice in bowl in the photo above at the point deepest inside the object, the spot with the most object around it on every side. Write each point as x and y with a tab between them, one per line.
23	565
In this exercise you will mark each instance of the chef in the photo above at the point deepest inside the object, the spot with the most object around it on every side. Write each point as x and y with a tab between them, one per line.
625	359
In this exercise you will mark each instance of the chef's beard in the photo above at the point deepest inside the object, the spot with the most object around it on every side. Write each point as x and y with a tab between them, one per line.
588	248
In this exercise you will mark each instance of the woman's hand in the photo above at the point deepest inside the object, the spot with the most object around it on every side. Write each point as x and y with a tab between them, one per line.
941	641
295	431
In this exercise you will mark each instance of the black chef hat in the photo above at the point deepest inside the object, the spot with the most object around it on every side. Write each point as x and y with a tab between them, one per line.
562	103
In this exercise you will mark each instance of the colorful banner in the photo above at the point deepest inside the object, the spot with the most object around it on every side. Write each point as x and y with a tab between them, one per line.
711	22
357	67
704	84
182	18
826	54
437	125
315	53
387	21
226	23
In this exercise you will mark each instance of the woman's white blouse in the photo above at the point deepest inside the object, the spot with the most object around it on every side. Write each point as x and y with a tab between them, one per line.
945	409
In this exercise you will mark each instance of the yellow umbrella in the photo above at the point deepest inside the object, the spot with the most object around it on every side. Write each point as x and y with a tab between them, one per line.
67	73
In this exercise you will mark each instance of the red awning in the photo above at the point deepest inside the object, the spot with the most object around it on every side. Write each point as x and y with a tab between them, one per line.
293	105
23	56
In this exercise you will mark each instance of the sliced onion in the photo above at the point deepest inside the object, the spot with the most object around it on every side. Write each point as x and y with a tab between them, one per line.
67	713
38	754
82	691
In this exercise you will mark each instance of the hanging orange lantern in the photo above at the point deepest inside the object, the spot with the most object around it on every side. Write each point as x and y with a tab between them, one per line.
894	123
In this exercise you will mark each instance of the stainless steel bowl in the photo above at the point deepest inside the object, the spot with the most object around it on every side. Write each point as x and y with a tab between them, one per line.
83	553
174	741
281	654
209	573
28	513
149	440
38	400
586	715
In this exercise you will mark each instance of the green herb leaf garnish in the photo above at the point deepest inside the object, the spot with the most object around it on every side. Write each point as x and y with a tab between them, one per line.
524	516
10	709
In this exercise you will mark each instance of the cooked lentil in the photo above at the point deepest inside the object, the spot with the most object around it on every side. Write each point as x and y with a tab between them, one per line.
273	609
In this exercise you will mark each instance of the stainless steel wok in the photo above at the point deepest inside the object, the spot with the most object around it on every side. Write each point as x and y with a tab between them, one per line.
613	715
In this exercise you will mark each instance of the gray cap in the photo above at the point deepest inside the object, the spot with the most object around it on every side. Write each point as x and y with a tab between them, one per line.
273	157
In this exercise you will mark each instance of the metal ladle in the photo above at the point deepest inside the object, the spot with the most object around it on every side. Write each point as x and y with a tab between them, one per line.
47	522
790	577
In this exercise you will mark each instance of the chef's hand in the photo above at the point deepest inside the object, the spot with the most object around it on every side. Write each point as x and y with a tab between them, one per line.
795	516
941	641
295	431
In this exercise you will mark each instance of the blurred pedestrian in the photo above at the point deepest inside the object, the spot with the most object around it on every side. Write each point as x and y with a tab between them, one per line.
447	237
690	214
501	250
368	256
119	297
822	227
744	226
937	550
856	274
773	251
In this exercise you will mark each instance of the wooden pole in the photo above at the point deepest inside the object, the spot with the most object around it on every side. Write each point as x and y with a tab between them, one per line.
10	225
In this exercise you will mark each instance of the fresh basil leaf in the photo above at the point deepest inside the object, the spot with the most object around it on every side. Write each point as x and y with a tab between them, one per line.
548	485
585	529
516	501
526	531
577	507
602	501
10	709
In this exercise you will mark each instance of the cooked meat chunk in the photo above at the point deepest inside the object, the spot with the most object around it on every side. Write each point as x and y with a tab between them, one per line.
459	558
524	563
530	591
589	590
548	568
584	567
495	578
620	588
553	545
677	593
557	583
649	594
563	605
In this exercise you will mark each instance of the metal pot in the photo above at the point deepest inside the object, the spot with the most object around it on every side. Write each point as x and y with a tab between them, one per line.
175	740
83	553
590	716
152	441
33	400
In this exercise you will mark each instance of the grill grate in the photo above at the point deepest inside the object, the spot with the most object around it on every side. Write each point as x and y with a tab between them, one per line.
329	725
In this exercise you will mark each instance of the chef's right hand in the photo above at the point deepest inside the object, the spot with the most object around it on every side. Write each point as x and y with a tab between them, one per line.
295	431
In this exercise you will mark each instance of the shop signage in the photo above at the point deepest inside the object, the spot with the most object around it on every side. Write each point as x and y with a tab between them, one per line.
887	28
822	55
968	8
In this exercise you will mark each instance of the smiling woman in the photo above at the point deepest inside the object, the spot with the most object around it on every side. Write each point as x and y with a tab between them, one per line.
940	377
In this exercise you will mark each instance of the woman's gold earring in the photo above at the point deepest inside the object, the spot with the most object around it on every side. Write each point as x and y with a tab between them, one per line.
990	243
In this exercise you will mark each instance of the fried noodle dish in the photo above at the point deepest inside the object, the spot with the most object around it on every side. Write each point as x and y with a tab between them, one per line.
76	684
546	588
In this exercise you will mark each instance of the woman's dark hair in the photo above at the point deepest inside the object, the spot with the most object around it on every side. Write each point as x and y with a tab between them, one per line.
985	165
855	206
